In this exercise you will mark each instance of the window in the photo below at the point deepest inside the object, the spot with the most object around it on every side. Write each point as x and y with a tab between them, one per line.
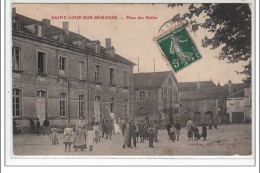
112	76
17	102
125	106
41	94
112	104
41	62
97	73
142	95
164	94
62	66
63	101
81	105
125	81
191	104
81	70
169	94
16	58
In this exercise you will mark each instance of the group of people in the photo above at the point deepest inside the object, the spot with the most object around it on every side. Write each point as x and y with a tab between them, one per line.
145	130
193	131
173	130
87	134
37	127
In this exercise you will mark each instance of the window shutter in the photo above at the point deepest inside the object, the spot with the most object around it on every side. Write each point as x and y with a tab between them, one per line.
137	95
146	95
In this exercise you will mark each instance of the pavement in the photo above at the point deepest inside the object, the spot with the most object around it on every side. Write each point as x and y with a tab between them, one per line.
231	139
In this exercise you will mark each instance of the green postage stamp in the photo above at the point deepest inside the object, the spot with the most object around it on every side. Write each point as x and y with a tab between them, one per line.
178	48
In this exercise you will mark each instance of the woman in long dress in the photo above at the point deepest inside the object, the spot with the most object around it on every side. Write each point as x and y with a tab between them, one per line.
80	139
189	127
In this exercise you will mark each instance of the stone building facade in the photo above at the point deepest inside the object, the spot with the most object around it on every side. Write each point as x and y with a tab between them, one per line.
239	106
156	96
203	102
60	75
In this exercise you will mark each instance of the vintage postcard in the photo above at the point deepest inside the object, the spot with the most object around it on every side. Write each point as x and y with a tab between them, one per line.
131	81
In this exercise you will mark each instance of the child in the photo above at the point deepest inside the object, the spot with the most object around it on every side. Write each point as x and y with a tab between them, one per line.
90	138
68	133
204	132
54	137
150	132
173	133
96	130
196	133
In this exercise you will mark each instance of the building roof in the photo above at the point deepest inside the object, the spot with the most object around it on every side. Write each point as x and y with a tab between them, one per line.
201	93
192	86
52	31
234	87
151	79
237	94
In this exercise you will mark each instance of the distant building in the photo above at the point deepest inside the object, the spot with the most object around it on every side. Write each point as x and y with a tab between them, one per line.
60	75
239	106
156	96
202	101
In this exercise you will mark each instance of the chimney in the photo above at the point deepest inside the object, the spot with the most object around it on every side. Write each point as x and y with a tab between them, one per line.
230	86
66	27
13	12
46	22
108	43
198	84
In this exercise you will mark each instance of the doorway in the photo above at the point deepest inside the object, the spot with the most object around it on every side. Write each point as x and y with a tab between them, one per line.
41	105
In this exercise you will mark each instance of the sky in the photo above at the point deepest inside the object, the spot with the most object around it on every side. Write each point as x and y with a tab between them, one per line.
133	38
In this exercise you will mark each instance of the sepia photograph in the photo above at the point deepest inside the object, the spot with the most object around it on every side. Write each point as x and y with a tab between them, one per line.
131	79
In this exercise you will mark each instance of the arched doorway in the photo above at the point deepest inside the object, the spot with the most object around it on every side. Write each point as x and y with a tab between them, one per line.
196	118
209	117
142	112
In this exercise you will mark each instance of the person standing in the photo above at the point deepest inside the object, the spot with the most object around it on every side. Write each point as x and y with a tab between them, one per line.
32	125
68	133
123	128
142	132
126	133
137	133
173	133
132	134
190	129
38	126
80	139
150	132
168	127
196	133
178	129
90	138
104	131
46	124
96	130
54	136
204	132
156	128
